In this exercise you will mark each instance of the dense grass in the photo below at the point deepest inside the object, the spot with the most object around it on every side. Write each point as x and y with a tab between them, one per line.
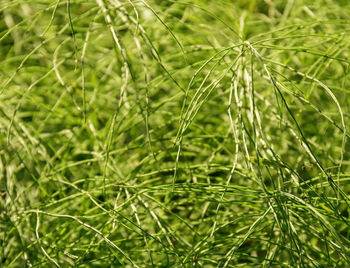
188	133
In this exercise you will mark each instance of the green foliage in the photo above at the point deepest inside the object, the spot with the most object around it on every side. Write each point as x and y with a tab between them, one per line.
188	133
